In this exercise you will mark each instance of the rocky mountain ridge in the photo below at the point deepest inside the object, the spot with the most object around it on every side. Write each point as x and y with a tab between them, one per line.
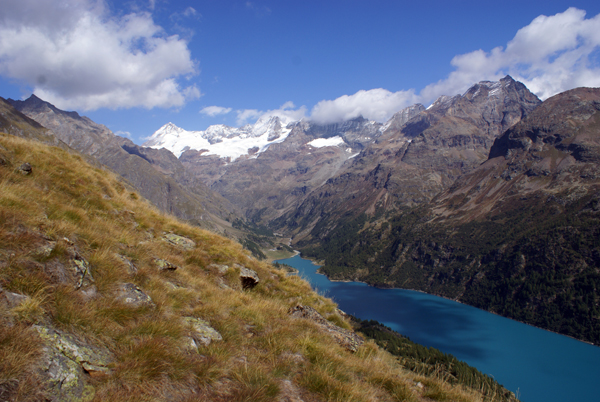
450	199
276	170
411	163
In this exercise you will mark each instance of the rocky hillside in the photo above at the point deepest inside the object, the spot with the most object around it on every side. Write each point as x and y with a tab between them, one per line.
420	153
157	174
518	235
105	298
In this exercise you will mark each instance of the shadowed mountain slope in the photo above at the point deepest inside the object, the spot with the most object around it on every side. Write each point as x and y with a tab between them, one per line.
519	235
412	162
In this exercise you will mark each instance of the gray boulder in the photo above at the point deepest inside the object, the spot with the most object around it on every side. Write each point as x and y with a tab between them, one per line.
130	294
164	265
68	363
200	332
248	277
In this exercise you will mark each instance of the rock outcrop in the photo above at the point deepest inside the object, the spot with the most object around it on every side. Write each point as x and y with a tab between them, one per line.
132	295
200	332
344	337
69	363
248	277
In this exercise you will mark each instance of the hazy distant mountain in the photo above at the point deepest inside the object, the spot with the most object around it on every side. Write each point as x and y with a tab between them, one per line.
267	168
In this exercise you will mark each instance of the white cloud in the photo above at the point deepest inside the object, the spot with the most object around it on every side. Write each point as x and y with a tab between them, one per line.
550	55
123	134
78	56
213	111
190	12
375	104
246	115
286	112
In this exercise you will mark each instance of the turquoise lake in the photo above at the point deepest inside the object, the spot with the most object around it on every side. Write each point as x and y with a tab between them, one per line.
537	365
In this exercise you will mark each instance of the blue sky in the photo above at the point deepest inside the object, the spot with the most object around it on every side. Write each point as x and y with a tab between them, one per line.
137	65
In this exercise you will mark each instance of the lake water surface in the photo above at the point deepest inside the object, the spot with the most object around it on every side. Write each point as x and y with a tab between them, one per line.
537	365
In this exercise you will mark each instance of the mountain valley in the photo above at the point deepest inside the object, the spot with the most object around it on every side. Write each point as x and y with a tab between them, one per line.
487	197
105	297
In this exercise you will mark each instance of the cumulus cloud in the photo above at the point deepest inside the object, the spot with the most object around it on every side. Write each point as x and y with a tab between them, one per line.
246	115
79	56
213	111
286	112
375	104
550	55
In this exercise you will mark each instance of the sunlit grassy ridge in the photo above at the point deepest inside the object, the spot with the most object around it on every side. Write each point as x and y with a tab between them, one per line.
66	207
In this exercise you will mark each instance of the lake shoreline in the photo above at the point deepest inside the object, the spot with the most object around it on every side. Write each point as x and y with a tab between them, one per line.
541	365
298	253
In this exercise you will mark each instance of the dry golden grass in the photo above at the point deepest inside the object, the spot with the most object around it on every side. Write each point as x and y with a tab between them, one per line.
91	212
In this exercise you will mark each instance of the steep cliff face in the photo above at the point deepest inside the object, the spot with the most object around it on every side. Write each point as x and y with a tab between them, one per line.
410	163
157	174
519	235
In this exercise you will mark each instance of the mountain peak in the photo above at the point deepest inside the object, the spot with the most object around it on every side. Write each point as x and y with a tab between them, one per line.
33	104
221	140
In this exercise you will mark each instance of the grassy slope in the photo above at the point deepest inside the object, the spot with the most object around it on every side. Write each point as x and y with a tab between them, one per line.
69	202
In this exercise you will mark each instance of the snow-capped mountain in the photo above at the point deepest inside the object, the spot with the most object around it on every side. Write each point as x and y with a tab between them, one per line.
222	140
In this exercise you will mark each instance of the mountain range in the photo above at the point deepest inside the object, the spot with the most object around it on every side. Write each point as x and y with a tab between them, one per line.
488	197
104	297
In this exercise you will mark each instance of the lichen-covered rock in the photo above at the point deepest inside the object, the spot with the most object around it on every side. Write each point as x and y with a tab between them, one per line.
66	364
46	249
344	337
180	241
131	268
164	265
201	331
248	277
221	268
130	294
82	271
